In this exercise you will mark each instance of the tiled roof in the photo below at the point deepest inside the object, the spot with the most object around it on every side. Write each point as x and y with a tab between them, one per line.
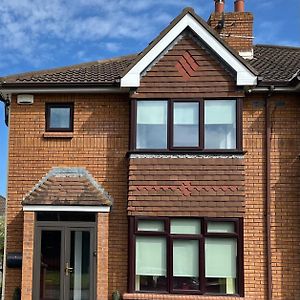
97	72
68	186
276	63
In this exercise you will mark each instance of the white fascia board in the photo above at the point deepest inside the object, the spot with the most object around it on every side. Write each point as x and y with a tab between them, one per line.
104	209
244	75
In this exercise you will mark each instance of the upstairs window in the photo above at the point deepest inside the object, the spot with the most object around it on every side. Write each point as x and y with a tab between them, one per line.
220	124
183	125
151	128
186	124
59	116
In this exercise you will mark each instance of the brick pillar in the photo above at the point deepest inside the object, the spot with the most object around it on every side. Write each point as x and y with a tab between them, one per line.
27	266
102	256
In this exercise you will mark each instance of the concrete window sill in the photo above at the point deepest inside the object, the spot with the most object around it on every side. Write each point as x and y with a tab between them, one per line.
60	135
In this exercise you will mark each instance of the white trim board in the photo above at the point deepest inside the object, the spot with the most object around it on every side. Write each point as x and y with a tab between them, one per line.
244	75
104	209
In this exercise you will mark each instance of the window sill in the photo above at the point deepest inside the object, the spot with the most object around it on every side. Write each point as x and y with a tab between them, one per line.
148	296
187	152
60	135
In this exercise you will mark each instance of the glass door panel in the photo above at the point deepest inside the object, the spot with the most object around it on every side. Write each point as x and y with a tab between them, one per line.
80	270
64	266
50	265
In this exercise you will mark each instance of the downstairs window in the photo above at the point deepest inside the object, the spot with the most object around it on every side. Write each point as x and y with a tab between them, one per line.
186	255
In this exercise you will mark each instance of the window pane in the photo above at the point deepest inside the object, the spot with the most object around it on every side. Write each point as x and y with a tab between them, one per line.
186	264
60	117
220	124
186	124
151	225
221	227
220	265
185	226
151	265
151	128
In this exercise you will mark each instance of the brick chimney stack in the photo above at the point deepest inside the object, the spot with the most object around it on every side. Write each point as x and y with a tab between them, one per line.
239	5
219	6
236	28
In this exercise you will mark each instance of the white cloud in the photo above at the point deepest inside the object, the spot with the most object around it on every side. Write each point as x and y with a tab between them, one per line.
29	28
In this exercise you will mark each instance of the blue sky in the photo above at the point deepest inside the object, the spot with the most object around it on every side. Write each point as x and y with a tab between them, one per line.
39	34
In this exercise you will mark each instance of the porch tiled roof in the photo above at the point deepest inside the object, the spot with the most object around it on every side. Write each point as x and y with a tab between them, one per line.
68	186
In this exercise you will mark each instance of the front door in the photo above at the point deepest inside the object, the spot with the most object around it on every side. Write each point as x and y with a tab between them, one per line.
64	262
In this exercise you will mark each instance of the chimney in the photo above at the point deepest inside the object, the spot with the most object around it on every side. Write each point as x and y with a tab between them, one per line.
219	6
236	28
239	5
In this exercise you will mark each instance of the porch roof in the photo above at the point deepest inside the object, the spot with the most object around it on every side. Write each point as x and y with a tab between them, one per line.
68	187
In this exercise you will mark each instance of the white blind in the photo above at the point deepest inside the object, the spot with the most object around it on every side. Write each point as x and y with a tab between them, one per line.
151	256
186	258
186	113
152	112
220	258
220	112
185	226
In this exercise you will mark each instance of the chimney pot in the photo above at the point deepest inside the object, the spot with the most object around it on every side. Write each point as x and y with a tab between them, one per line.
239	5
219	6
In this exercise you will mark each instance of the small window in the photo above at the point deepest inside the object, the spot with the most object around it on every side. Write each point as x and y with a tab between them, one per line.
59	117
185	226
221	227
151	225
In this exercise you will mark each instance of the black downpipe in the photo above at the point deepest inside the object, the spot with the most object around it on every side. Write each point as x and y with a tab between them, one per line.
268	136
6	108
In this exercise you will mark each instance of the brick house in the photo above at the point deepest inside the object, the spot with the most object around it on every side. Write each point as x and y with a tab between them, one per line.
170	174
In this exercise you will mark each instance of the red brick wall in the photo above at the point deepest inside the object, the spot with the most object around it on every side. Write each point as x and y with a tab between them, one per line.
28	246
99	144
237	30
285	204
209	187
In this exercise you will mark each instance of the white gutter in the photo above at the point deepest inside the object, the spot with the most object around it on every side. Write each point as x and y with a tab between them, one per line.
276	89
64	90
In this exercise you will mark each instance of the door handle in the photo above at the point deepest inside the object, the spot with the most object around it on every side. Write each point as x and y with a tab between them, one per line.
68	269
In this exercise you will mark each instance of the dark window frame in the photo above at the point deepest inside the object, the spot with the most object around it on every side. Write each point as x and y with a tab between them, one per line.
200	148
48	108
238	235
